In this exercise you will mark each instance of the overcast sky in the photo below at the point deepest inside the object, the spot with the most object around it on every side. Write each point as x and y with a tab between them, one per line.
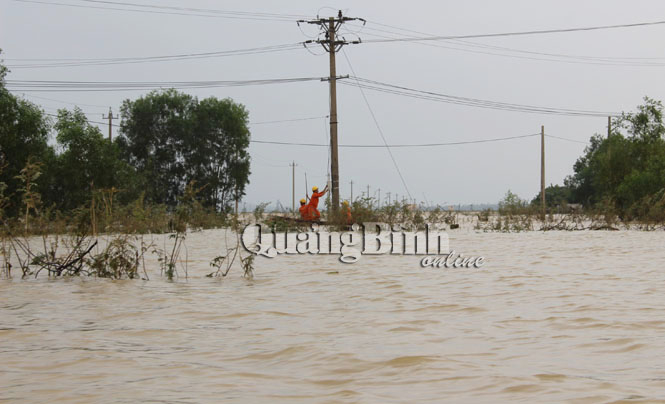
473	173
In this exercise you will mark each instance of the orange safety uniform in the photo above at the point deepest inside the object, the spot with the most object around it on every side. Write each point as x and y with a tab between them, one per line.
314	213
305	212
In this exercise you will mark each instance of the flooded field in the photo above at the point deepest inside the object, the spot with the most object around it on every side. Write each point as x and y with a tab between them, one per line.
573	317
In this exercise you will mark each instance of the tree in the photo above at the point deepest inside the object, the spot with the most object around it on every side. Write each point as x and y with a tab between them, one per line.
218	157
624	168
555	195
24	132
87	161
173	139
512	204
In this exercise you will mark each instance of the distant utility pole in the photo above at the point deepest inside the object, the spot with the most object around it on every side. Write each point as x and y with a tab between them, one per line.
293	186
110	118
351	191
389	202
332	44
542	168
379	198
609	126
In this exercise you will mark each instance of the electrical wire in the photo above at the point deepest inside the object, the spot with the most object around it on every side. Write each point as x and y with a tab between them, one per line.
74	62
473	102
181	11
383	146
68	102
66	86
207	10
571	59
250	123
566	139
378	127
612	60
516	33
289	120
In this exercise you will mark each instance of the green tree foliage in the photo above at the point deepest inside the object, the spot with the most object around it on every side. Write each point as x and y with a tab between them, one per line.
87	161
626	169
512	204
24	130
555	195
173	139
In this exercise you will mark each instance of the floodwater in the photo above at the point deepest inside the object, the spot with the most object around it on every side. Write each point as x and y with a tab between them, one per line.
576	317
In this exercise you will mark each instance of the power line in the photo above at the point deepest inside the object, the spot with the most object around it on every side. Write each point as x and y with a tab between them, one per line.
250	123
182	11
383	146
73	62
593	60
87	120
377	146
474	102
378	127
207	10
516	33
289	120
66	86
566	139
569	59
68	102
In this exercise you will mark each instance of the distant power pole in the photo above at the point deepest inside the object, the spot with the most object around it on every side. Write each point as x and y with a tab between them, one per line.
379	198
351	191
609	126
389	202
293	186
542	168
332	44
110	118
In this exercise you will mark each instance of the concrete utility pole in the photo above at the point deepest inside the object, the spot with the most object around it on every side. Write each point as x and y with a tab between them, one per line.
379	200
110	118
293	185
351	191
609	126
332	44
542	168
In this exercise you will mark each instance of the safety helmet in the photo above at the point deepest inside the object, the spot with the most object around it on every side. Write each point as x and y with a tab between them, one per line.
345	202
303	200
314	189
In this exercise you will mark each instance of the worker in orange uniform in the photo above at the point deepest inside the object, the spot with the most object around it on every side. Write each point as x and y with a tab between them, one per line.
346	212
314	202
304	210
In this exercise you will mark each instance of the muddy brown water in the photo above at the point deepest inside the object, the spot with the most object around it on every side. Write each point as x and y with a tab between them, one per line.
573	317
